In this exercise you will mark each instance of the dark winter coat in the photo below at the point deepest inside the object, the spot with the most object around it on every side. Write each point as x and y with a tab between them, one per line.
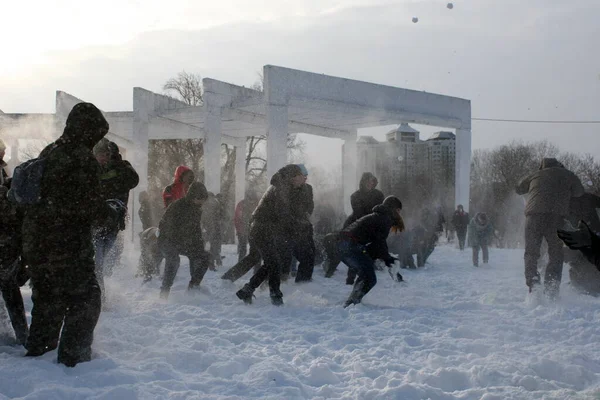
372	230
4	179
117	179
460	220
480	234
363	200
11	219
593	253
59	228
212	215
585	208
274	215
175	190
180	228
145	213
302	201
550	189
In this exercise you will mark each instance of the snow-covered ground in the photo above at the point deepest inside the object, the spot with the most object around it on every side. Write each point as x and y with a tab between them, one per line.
451	332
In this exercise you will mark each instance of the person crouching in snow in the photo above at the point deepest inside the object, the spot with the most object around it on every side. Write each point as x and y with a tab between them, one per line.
12	270
180	233
480	234
371	230
274	226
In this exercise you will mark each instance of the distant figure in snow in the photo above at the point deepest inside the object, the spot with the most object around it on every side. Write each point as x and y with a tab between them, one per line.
362	201
274	225
370	231
549	191
180	233
480	236
460	222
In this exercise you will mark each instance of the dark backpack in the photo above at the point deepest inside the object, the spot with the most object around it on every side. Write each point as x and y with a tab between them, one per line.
26	184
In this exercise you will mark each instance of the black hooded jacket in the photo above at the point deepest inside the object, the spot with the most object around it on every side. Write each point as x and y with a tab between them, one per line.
118	177
274	214
363	200
180	227
372	230
59	228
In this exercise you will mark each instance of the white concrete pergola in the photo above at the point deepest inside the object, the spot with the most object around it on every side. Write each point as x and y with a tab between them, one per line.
293	101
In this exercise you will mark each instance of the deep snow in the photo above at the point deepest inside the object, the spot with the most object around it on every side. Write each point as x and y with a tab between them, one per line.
451	331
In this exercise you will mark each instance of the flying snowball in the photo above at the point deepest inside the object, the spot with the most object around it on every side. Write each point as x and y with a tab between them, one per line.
415	20
450	6
400	158
590	183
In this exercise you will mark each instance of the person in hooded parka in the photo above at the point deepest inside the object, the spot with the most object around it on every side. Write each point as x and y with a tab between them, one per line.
57	241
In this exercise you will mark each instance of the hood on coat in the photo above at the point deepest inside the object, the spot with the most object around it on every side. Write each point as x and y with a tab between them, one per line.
182	169
365	178
197	190
85	126
285	174
550	163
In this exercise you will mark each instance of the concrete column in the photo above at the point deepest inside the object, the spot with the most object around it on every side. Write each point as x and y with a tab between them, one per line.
240	171
463	168
212	149
13	143
349	161
277	133
143	108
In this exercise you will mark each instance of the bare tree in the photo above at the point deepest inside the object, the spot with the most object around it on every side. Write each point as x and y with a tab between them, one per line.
186	86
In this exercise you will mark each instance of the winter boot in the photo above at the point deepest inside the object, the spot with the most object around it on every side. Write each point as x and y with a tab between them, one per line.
277	301
246	293
164	293
356	295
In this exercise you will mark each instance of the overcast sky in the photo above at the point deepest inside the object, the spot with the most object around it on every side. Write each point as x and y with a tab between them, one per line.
522	59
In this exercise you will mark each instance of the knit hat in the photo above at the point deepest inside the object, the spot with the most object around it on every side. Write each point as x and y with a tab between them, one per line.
392	202
303	169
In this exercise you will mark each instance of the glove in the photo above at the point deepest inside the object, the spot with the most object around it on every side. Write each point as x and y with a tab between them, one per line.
579	239
390	262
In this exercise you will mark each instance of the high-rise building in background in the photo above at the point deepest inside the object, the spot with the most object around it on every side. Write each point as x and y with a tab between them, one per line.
405	163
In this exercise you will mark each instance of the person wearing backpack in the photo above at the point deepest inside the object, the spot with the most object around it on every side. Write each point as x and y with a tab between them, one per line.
57	240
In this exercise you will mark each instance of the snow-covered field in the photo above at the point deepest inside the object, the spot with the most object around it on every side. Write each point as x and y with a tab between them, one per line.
450	332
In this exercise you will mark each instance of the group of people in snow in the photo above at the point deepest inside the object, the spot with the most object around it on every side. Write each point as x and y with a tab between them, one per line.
62	212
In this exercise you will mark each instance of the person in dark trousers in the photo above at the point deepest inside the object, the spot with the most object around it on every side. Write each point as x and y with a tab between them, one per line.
13	273
117	178
243	212
145	211
57	241
212	221
274	225
362	202
549	191
182	180
303	248
480	236
180	233
371	230
150	254
460	222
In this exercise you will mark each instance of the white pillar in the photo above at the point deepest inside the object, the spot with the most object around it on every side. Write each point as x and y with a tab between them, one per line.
463	168
143	108
13	143
277	133
240	171
349	160
212	149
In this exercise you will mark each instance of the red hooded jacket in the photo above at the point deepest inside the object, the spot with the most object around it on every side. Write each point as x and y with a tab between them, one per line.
175	190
